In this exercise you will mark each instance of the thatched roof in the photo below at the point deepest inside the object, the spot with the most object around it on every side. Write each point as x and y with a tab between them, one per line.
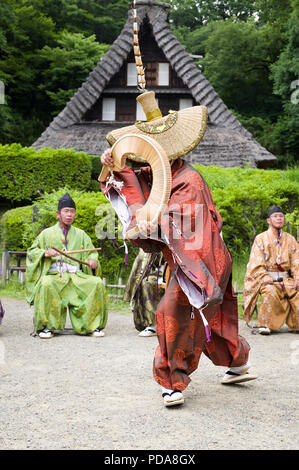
226	142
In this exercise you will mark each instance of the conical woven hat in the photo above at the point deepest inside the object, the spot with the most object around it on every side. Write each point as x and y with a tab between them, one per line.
178	133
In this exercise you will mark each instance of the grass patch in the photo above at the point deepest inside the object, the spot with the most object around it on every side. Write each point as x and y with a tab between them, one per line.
239	269
119	307
12	289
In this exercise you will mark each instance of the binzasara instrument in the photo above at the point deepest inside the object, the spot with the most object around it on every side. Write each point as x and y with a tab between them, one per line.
155	155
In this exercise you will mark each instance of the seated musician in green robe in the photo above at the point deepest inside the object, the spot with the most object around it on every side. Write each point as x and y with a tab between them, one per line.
54	282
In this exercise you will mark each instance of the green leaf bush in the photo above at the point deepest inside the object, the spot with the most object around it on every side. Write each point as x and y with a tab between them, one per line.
27	173
12	226
243	197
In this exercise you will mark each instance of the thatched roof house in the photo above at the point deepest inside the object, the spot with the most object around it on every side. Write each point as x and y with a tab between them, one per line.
107	99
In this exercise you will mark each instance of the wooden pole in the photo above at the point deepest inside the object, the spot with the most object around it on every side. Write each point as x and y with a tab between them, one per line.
70	257
81	251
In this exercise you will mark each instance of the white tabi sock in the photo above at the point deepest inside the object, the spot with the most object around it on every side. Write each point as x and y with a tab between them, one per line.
166	390
238	370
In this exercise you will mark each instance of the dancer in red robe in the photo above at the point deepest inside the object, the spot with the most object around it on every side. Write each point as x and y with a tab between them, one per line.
200	276
198	313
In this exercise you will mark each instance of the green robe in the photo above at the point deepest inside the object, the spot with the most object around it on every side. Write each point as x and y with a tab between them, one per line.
51	293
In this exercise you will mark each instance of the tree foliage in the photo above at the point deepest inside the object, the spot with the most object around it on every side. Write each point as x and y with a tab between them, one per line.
48	47
249	49
103	18
68	65
195	13
237	62
7	17
250	55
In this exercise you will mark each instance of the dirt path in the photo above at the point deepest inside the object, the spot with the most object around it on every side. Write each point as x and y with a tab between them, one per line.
75	392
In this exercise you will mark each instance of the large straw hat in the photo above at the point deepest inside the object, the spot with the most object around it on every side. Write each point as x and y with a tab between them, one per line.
178	133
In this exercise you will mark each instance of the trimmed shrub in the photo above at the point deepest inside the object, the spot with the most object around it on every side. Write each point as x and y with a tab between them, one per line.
12	225
96	166
243	197
27	173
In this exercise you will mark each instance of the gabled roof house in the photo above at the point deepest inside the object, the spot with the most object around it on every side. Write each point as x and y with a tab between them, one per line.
107	99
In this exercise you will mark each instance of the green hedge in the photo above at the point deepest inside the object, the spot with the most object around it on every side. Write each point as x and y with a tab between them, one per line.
243	197
12	226
96	166
27	173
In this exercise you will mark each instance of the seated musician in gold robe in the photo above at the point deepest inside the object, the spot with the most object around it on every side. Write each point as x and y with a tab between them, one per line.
273	273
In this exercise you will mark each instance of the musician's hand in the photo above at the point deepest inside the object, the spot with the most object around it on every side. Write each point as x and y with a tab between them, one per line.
268	280
296	284
51	253
106	158
92	264
146	228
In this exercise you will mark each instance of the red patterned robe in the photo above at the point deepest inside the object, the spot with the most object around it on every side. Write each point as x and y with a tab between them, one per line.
190	238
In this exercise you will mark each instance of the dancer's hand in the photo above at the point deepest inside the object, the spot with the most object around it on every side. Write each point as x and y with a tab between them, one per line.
106	158
51	253
268	281
146	228
92	264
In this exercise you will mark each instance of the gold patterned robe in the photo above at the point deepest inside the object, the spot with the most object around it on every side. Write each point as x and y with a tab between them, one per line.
143	290
280	300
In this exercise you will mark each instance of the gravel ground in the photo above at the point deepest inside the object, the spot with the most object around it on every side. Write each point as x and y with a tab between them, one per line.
75	392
